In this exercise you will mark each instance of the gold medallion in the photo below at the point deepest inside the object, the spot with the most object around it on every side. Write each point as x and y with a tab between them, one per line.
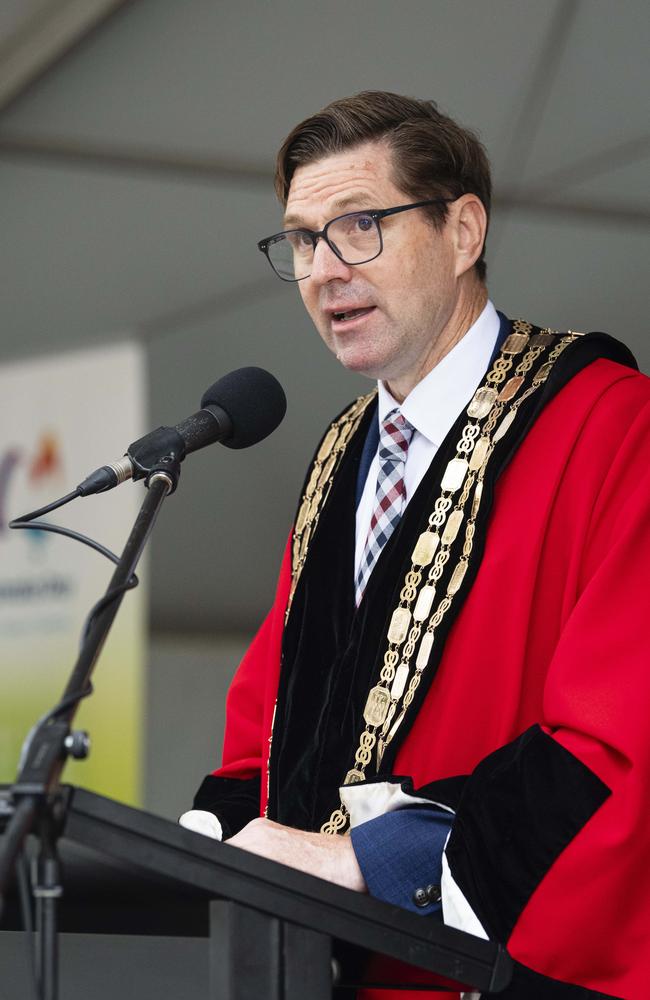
424	603
476	502
328	469
452	526
482	402
399	682
425	548
541	339
304	540
457	577
515	343
314	506
328	443
345	432
481	449
454	475
301	520
376	708
313	481
399	625
504	426
424	652
511	388
544	371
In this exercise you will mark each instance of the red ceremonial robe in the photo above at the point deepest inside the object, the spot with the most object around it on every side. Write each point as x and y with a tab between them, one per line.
542	697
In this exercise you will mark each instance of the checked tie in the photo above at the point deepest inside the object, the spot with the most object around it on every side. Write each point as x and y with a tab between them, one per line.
394	438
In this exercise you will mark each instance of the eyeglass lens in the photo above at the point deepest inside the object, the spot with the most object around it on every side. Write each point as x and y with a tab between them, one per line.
354	238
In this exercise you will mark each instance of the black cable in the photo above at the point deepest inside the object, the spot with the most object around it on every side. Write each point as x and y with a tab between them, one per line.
104	602
66	703
57	529
48	508
27	521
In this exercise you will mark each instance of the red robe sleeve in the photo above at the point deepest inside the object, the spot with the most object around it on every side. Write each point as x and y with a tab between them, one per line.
237	791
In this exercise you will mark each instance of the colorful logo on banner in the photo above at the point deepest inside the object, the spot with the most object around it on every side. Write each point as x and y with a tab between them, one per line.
44	465
38	471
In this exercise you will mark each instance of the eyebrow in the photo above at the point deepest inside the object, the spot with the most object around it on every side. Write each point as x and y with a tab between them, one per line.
358	199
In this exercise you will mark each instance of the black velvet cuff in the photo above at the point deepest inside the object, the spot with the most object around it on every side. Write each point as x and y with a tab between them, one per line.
520	808
234	801
446	791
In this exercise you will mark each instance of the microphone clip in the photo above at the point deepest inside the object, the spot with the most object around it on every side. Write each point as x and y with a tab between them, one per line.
161	451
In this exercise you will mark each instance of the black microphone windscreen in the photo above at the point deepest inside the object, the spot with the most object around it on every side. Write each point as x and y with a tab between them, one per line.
253	399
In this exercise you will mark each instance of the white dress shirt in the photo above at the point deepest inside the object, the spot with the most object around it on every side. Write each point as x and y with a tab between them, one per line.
432	407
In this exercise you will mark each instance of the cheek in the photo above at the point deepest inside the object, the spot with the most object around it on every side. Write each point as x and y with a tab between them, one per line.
309	300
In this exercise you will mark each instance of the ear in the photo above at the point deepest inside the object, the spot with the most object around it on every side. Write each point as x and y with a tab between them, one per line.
469	227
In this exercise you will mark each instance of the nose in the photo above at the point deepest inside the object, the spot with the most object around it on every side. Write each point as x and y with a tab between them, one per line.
327	266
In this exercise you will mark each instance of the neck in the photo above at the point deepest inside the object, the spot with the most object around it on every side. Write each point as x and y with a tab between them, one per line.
467	308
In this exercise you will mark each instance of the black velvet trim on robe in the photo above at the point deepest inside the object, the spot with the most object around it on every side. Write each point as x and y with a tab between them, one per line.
332	652
519	809
234	801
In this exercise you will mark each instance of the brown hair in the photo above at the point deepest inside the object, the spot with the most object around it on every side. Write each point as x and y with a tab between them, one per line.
433	156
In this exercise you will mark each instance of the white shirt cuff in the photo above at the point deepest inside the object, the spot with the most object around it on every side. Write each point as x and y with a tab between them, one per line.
200	821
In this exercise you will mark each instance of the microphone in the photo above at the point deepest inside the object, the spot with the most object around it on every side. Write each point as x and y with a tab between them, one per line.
239	410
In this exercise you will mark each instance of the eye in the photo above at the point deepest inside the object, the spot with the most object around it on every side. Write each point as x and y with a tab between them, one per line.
355	225
364	223
301	242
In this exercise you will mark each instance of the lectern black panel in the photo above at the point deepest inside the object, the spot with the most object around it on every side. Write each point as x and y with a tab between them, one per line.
128	871
105	896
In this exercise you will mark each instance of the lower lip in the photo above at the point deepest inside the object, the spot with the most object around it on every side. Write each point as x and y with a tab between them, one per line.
343	325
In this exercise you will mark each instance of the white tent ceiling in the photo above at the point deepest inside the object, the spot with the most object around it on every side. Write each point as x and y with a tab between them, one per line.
135	167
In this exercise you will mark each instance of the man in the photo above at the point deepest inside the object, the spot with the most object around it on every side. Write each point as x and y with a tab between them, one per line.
457	642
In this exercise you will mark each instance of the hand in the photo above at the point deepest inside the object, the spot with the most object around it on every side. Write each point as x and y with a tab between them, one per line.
330	858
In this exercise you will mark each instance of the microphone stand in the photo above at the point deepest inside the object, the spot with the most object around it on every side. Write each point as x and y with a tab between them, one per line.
36	801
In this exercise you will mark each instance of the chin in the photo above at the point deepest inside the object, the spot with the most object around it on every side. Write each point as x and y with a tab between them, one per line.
369	367
367	363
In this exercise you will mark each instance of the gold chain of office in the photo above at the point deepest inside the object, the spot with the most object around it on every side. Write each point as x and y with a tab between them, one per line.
491	414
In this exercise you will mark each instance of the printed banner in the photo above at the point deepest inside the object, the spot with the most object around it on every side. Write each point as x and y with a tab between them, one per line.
60	418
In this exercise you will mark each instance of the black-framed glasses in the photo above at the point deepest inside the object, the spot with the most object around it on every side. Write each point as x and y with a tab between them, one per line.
355	238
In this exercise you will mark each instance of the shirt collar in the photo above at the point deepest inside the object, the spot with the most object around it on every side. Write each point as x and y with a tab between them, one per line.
434	403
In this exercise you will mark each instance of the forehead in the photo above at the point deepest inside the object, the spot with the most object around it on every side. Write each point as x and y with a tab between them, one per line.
362	174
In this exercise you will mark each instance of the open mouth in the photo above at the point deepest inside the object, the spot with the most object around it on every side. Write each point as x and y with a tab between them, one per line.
342	317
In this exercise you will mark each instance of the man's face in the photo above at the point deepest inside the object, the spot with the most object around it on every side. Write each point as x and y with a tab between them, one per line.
406	295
